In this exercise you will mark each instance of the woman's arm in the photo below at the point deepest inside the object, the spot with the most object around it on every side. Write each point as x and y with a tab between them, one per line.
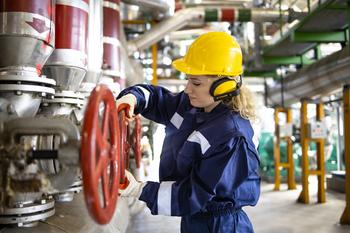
153	102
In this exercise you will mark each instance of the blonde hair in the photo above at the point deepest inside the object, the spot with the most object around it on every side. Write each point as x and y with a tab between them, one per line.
244	103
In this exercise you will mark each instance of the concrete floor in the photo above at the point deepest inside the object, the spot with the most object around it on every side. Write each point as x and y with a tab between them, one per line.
276	212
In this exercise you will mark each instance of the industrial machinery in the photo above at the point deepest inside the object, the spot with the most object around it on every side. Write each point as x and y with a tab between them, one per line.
26	41
50	146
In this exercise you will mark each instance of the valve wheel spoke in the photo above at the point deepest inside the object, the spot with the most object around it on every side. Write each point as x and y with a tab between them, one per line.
124	149
137	141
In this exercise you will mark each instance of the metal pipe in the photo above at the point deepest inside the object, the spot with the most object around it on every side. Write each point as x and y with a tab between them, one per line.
320	78
185	16
339	145
41	126
95	27
68	153
180	19
157	5
219	2
68	63
111	38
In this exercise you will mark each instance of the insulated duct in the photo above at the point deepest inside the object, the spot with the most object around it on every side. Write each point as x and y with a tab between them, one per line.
164	7
218	2
186	16
68	63
319	79
180	19
111	46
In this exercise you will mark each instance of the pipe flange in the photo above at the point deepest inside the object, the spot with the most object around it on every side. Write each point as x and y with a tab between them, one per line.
27	84
28	214
26	77
66	97
68	194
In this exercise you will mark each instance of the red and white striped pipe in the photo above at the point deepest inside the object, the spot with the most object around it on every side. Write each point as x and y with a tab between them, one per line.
111	38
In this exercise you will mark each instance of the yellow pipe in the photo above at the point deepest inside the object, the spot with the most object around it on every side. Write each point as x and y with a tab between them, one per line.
154	64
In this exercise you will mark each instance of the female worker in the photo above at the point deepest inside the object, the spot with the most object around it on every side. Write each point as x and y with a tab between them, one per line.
209	165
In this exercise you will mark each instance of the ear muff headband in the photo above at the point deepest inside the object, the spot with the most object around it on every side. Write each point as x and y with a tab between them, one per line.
225	87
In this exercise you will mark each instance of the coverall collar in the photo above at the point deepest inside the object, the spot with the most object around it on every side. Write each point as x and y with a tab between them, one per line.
202	116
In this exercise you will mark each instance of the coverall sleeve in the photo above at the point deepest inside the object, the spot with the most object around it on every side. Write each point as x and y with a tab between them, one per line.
221	172
153	102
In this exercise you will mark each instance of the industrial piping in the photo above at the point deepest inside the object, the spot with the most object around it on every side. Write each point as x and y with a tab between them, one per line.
320	78
185	16
162	6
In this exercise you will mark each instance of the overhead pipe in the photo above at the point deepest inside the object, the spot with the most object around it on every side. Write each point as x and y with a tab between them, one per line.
162	6
211	3
316	80
185	16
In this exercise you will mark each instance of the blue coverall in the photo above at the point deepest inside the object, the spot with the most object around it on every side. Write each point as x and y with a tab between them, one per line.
208	167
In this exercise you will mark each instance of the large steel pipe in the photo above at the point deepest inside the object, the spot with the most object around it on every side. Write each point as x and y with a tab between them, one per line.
111	39
68	63
27	33
316	80
157	8
202	15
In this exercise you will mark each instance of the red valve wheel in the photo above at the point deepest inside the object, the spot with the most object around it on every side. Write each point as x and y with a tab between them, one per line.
100	155
124	144
137	141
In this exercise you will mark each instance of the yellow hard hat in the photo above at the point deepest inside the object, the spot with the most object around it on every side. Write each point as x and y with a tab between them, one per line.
213	53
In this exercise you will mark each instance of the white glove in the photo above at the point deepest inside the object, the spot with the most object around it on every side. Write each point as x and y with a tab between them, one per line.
130	100
134	187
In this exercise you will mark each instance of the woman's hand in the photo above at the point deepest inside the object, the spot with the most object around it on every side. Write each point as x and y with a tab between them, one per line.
133	188
129	100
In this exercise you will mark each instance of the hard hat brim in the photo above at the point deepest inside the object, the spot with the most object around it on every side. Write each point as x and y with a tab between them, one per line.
182	66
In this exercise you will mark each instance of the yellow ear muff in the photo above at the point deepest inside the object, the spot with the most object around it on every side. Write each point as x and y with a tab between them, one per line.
224	88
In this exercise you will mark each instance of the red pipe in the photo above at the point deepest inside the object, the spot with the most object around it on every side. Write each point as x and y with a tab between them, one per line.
30	20
40	7
71	22
111	38
228	15
72	26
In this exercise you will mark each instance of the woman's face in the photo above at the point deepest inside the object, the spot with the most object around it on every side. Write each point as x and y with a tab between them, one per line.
197	89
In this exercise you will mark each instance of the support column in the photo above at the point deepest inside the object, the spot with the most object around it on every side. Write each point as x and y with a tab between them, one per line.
345	218
289	165
304	195
305	137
